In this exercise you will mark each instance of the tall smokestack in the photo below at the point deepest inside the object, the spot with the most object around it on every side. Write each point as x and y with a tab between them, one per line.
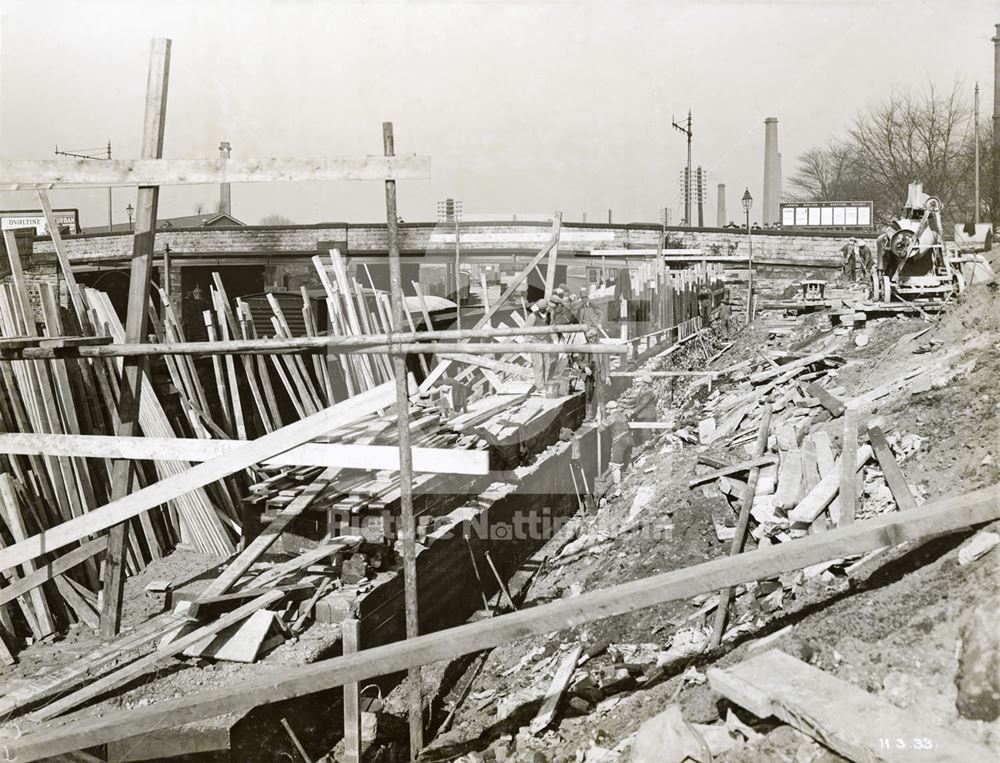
995	206
721	205
225	190
772	173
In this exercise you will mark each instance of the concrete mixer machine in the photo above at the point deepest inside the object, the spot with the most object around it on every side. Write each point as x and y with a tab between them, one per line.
915	256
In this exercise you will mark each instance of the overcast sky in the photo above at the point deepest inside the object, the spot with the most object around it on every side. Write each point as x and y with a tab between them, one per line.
523	106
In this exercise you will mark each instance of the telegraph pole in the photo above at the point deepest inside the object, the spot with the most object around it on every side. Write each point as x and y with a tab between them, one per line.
975	126
687	179
91	153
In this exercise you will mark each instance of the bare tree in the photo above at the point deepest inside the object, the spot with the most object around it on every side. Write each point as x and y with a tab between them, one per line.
275	219
905	138
826	174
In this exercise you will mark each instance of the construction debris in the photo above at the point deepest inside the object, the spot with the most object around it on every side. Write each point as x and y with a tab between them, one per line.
544	491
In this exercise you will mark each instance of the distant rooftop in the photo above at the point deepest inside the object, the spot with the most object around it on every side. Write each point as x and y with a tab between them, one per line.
211	220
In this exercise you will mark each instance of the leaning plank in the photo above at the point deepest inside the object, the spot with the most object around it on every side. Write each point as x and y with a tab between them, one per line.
342	455
143	665
59	173
547	712
739	537
946	515
251	453
839	715
740	467
890	468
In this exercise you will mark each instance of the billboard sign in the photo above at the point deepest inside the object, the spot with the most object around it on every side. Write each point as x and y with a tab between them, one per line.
66	219
826	214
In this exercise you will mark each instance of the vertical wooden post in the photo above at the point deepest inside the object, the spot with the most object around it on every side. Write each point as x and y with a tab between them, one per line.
135	328
407	524
849	468
550	268
350	634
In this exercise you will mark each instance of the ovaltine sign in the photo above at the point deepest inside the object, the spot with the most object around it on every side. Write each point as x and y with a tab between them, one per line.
65	218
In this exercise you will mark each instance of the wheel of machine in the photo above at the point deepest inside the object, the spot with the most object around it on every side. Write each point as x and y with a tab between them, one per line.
900	243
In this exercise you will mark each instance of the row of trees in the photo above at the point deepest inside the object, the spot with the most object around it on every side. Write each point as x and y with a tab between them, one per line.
927	137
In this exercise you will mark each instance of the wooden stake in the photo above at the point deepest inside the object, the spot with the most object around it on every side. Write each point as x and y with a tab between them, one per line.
408	525
350	638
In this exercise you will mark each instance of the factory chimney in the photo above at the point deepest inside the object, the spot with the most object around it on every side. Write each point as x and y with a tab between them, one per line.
995	206
771	212
225	190
721	206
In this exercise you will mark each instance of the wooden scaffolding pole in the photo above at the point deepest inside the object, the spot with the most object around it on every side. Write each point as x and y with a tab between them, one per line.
135	329
407	523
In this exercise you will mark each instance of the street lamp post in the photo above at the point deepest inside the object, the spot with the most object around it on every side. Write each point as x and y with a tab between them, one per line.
129	210
747	205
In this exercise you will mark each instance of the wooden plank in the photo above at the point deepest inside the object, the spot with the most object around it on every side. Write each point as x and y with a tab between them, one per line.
136	321
75	295
890	469
832	403
248	454
81	607
860	726
350	638
547	712
789	480
10	513
240	642
144	664
21	175
849	468
341	455
52	569
550	267
942	516
825	460
727	470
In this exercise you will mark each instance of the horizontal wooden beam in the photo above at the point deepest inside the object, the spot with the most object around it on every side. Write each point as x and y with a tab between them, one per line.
341	455
249	453
941	516
42	174
367	343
